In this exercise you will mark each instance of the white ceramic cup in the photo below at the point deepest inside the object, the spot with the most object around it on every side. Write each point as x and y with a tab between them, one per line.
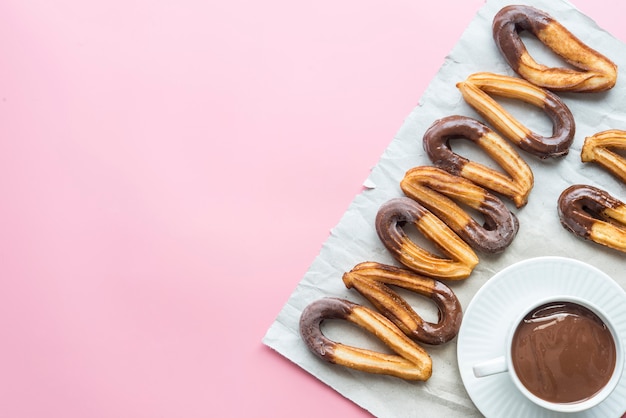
504	363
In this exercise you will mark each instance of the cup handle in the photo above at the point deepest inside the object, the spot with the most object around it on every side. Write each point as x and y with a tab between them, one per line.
489	367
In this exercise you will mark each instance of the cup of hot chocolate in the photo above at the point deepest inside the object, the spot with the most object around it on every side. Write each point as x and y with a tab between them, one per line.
562	353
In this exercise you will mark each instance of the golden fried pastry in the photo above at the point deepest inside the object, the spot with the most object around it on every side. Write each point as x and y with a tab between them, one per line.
372	280
595	215
598	148
591	70
518	181
398	211
435	189
476	90
410	362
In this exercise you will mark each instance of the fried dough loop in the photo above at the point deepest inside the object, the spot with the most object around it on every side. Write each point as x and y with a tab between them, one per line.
591	72
518	181
599	148
411	362
398	211
593	214
436	190
476	91
372	280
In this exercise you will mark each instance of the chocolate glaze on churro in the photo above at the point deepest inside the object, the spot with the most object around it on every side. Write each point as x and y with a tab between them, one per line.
592	71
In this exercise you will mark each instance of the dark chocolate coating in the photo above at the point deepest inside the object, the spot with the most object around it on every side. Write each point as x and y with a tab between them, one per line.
556	145
580	206
500	224
371	280
391	217
437	141
437	137
498	231
450	316
507	24
311	319
592	71
563	130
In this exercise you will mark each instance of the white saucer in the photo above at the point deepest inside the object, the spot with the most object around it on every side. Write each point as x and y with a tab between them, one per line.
487	318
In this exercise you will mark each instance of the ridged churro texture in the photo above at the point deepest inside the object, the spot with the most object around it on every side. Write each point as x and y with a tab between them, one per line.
477	90
593	214
373	281
439	191
457	260
591	72
410	362
515	183
601	149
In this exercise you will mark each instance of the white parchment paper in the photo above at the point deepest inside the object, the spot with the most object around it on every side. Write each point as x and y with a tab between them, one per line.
354	239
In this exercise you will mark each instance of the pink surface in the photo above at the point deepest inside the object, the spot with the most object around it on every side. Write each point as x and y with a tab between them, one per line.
169	170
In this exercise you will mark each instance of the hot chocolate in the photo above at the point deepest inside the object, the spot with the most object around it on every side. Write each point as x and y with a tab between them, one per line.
562	352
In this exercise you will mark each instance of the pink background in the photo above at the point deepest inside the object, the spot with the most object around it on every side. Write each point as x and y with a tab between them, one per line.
169	170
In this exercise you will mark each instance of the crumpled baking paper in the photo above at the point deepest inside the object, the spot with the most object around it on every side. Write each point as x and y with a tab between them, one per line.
354	239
